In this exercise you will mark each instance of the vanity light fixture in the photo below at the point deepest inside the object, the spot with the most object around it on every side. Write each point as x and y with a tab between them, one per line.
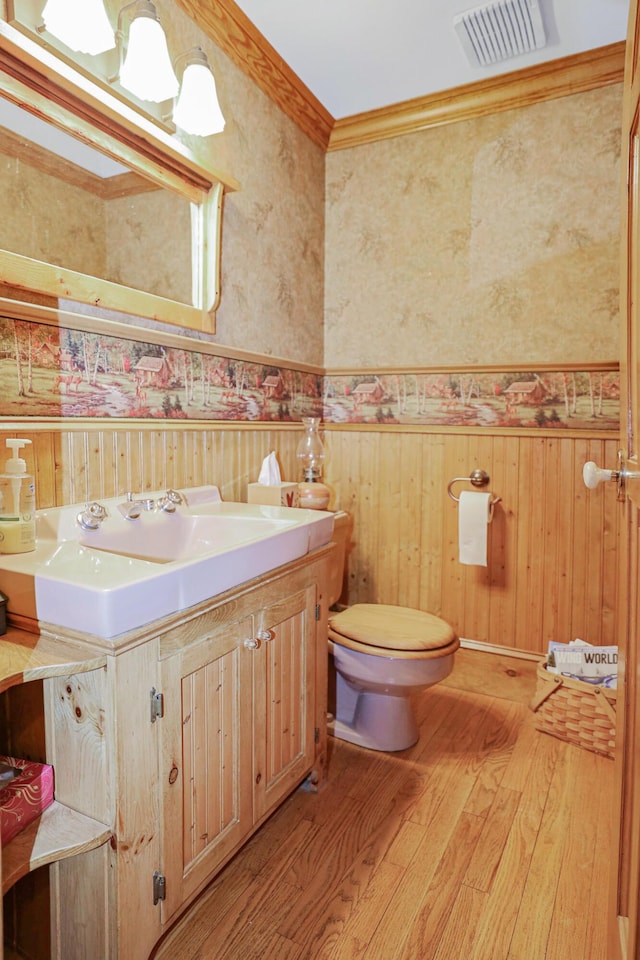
197	110
146	69
140	64
82	25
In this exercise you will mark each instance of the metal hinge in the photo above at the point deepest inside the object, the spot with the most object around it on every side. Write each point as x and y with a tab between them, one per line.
316	735
159	887
317	611
157	705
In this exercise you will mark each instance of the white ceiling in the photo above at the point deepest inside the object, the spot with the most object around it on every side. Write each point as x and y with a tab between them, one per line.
358	55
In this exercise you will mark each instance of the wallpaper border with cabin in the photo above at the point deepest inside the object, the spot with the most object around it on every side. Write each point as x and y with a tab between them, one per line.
58	372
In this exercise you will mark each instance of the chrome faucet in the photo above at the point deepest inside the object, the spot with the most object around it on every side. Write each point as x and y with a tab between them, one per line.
92	516
133	506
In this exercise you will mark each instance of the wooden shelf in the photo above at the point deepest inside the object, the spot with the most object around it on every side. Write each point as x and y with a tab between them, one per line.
28	656
58	833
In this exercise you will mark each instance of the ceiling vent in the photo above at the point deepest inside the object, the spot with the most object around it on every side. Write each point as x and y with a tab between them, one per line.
500	30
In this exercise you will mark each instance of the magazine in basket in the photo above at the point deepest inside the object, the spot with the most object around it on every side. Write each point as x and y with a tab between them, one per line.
581	661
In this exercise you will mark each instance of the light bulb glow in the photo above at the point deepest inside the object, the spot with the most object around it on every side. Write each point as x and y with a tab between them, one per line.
147	72
197	110
82	25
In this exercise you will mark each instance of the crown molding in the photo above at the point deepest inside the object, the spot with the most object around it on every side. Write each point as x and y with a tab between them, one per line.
520	88
232	31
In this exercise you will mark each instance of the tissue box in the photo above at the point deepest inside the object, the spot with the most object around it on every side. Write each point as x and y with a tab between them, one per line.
25	797
275	495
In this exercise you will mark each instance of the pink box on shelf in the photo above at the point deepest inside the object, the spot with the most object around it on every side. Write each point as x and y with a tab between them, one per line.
24	797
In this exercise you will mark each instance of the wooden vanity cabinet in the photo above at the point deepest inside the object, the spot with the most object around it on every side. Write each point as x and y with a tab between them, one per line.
285	731
206	746
240	728
173	743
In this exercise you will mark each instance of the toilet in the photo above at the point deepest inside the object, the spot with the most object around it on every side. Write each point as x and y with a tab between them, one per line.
382	654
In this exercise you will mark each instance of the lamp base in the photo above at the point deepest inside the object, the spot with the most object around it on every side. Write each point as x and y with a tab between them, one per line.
313	496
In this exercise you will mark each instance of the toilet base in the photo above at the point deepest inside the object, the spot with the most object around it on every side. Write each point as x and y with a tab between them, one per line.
379	723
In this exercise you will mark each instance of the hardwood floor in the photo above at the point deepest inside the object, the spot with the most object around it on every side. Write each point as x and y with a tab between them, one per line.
487	840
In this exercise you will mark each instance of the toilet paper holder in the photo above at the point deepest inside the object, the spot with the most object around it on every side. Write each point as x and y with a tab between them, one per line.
478	478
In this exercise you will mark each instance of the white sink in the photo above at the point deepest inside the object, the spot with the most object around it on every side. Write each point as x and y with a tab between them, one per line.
165	537
127	573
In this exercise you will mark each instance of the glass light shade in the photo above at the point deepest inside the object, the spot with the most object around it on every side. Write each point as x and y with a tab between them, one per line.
82	25
310	450
197	110
147	72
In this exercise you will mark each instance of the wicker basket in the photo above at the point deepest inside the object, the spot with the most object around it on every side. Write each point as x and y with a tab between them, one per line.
575	711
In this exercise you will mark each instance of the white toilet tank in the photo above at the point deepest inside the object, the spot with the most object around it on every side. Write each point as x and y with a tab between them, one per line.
342	529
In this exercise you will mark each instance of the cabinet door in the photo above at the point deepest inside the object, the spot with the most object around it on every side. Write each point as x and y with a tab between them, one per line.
283	679
206	758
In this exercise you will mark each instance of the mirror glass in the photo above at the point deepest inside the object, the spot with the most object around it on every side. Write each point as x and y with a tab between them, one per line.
69	205
101	207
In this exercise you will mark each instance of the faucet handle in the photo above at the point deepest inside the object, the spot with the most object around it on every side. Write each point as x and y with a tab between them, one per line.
92	516
170	501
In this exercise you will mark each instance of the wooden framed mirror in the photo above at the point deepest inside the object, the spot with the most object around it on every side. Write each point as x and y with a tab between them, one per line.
87	181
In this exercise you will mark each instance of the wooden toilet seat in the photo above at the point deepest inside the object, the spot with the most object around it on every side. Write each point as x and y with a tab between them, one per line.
385	630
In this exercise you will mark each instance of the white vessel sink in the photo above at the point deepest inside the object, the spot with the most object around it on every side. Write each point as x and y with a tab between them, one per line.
127	573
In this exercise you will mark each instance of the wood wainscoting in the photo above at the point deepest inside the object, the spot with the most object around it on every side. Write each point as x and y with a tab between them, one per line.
78	464
551	570
552	543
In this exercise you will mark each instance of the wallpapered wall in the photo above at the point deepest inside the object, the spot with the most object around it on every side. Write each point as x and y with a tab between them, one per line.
490	241
273	229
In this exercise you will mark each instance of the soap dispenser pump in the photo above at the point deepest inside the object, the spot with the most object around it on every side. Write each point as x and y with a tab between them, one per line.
17	503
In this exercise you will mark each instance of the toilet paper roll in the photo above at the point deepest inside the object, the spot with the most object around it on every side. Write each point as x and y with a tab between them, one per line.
474	516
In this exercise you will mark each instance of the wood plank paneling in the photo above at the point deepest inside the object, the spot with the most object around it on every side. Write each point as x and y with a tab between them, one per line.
552	543
430	523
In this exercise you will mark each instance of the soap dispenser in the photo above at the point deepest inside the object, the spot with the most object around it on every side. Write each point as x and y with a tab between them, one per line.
17	504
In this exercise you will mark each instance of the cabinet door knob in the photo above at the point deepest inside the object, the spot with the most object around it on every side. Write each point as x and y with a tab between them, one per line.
266	635
252	643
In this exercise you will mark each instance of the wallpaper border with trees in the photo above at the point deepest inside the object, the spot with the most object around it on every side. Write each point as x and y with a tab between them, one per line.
53	371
